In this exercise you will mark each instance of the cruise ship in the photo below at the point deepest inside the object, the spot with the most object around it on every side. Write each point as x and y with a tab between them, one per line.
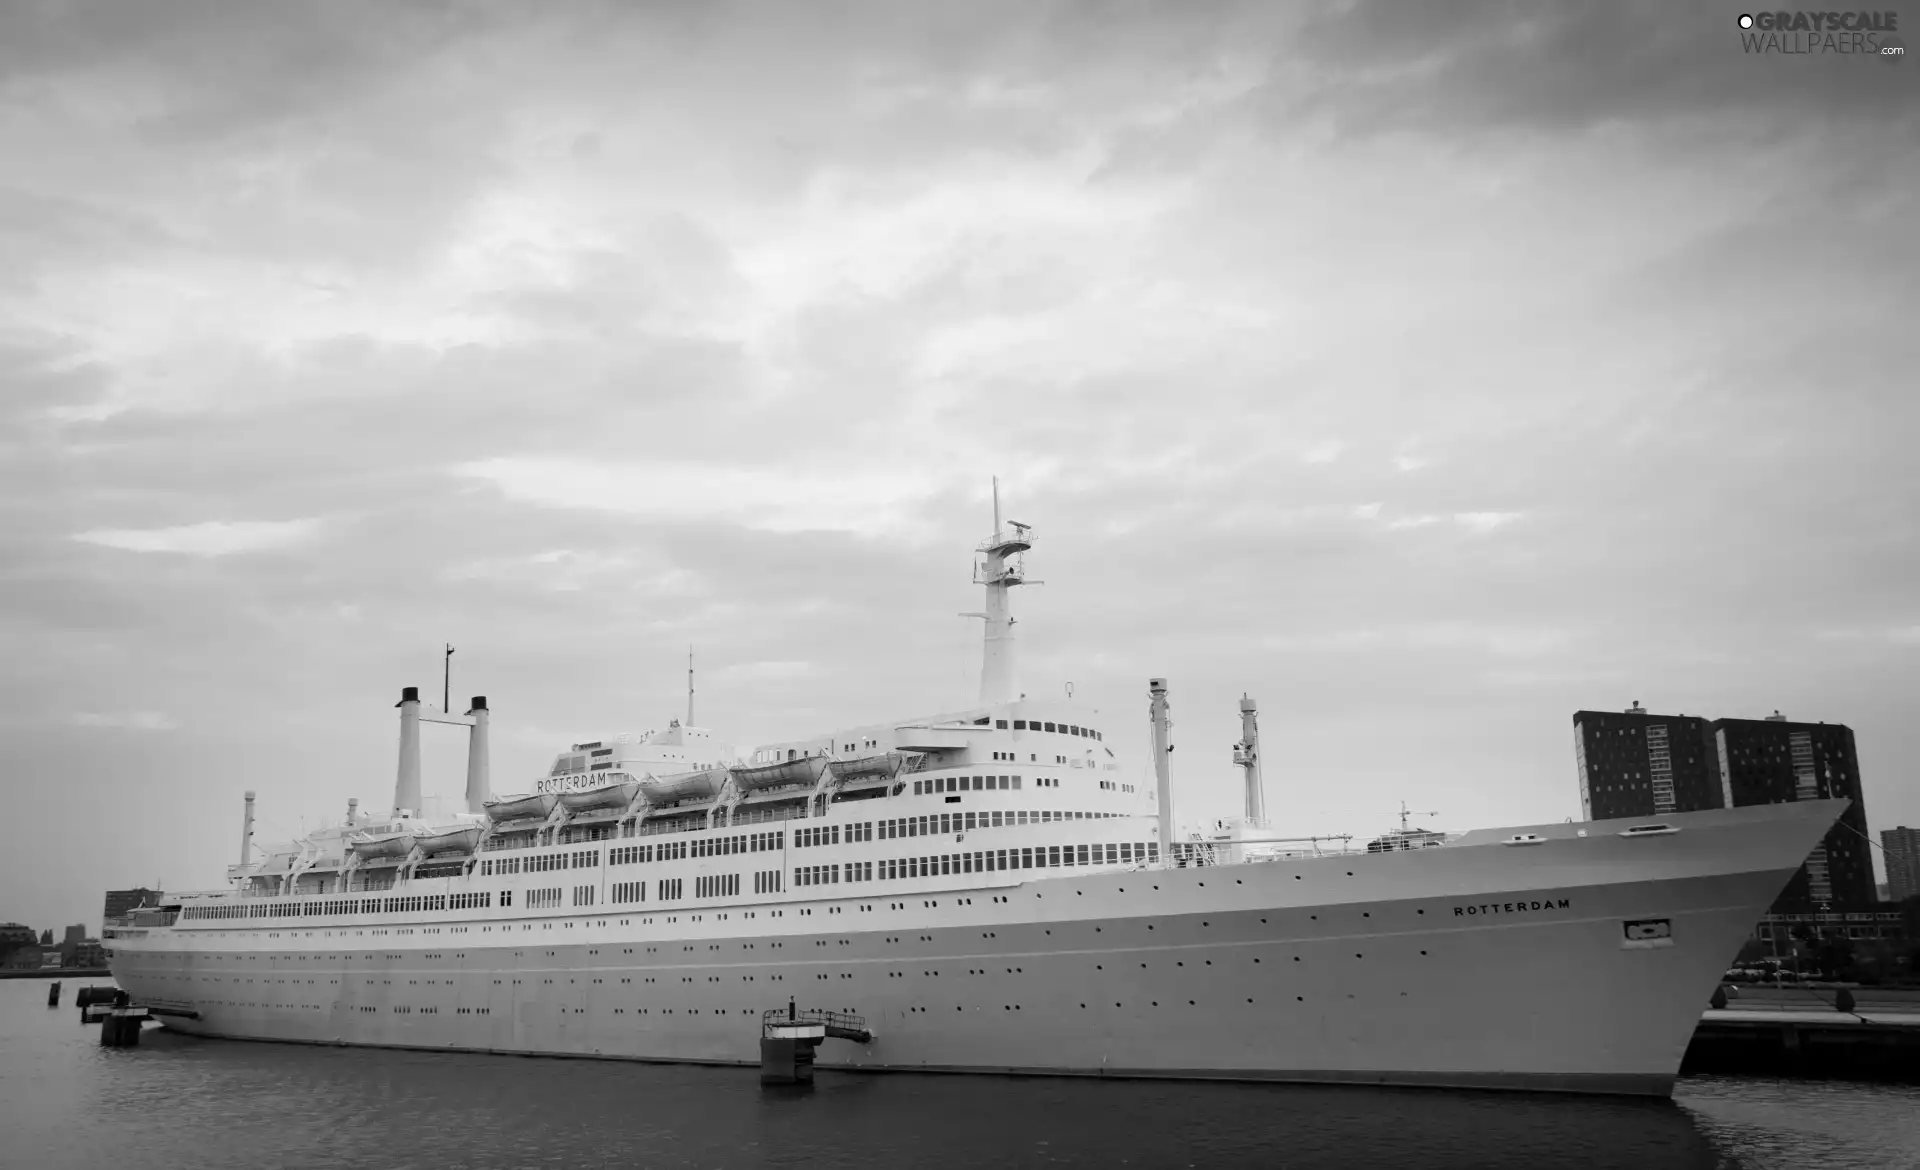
994	889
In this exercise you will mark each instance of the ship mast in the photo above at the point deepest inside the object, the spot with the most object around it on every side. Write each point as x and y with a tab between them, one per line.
1000	568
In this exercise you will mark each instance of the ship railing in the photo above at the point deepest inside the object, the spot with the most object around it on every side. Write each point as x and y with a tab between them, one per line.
841	1025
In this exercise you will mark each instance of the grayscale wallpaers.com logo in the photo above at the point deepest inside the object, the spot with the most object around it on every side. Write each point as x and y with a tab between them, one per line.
1863	34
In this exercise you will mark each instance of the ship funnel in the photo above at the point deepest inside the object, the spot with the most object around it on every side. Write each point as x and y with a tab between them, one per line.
406	785
353	811
479	783
1246	753
1162	761
246	831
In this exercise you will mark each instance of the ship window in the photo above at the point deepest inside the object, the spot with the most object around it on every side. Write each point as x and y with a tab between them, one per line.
1083	854
1053	855
1000	724
1019	724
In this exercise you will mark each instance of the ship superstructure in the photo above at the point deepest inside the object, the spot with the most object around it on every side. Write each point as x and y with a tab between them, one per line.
994	888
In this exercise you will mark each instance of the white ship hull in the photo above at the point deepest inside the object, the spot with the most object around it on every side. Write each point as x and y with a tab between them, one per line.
1478	964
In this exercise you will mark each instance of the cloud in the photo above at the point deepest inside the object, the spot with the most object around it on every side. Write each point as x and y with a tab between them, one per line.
1484	521
128	721
781	498
211	538
763	671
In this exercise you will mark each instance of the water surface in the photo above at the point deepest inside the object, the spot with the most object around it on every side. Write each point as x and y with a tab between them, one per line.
181	1102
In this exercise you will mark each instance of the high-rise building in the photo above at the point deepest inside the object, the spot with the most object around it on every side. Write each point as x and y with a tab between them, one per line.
1638	764
1902	847
1773	760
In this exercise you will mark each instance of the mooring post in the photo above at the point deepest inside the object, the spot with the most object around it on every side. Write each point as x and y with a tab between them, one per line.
53	994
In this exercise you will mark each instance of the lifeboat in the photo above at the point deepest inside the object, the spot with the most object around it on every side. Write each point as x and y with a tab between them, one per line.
382	845
520	808
885	766
460	840
618	795
803	771
702	785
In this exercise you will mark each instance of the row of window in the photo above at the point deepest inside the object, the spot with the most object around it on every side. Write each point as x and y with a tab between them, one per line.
627	892
583	895
1058	728
717	885
935	823
1038	857
541	863
937	784
544	899
767	881
738	843
821	875
482	900
405	905
830	834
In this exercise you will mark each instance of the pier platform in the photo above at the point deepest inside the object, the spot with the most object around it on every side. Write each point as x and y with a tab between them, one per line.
1819	1044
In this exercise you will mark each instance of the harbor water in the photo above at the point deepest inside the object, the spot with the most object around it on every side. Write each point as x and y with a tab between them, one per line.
176	1101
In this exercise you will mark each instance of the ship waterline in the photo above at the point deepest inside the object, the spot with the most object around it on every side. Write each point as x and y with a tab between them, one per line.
1561	957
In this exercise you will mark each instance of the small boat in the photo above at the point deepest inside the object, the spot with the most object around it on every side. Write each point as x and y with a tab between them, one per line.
616	795
886	765
459	840
805	771
373	845
702	785
521	808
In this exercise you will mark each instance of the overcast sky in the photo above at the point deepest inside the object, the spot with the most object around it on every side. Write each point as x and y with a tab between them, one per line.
1427	371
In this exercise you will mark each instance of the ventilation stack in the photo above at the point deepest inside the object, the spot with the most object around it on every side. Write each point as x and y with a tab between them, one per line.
406	785
246	831
479	779
1162	759
1246	753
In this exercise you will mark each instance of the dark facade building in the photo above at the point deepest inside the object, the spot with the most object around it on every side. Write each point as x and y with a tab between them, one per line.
120	902
1771	761
1638	764
1902	847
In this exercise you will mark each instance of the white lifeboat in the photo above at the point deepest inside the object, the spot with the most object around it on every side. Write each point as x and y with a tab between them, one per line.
805	771
371	845
616	795
520	808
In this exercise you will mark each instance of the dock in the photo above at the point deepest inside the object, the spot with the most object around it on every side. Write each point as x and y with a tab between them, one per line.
1821	1045
788	1038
